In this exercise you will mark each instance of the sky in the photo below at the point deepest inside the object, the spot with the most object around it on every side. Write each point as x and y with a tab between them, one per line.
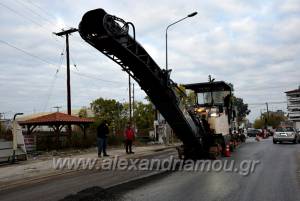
255	45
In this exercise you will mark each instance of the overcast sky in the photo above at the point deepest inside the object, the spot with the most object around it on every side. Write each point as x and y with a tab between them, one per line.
254	45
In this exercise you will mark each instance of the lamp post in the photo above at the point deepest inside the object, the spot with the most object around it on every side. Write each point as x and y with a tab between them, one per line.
190	15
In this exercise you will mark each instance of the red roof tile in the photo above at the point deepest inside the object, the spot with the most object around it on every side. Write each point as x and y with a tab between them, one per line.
57	117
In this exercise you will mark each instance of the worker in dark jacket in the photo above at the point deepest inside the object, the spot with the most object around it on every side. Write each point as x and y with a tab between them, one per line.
102	133
129	137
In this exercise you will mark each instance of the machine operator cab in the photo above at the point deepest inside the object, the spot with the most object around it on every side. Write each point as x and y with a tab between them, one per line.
213	104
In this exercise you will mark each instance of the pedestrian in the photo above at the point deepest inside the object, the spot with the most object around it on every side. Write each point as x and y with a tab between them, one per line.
129	137
102	133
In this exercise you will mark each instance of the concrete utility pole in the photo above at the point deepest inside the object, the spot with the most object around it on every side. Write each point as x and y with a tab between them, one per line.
267	109
67	33
211	80
133	102
129	96
267	114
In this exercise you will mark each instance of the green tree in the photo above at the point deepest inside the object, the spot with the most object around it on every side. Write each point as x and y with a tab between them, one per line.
83	113
188	97
273	119
259	123
191	98
118	114
242	108
143	116
107	109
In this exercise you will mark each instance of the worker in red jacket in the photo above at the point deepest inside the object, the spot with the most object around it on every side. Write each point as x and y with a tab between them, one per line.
129	137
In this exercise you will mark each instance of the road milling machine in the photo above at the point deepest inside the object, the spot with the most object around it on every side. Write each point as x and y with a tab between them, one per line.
201	126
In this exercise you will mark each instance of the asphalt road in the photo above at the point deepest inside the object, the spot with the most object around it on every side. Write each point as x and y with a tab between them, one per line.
276	177
57	187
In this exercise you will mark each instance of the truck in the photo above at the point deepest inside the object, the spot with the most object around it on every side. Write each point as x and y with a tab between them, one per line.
202	126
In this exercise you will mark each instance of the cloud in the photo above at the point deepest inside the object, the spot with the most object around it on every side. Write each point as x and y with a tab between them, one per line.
290	7
252	44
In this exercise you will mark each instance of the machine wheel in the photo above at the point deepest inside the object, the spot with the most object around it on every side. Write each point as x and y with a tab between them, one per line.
274	142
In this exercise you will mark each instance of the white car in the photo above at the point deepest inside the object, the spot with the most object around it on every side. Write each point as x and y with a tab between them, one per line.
288	134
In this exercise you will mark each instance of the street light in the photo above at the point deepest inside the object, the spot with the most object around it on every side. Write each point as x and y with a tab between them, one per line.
17	115
190	15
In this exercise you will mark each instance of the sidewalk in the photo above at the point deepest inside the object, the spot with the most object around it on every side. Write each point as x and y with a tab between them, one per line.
41	166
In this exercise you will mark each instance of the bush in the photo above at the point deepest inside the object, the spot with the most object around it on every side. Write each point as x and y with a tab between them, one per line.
47	140
115	140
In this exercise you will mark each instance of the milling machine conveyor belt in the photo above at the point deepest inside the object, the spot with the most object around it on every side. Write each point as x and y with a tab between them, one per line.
109	35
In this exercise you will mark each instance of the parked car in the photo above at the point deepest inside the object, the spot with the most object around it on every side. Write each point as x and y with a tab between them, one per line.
271	132
287	134
253	132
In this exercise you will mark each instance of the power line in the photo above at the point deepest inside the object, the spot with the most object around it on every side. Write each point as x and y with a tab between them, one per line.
272	102
40	16
21	15
53	82
95	78
27	53
89	76
53	64
42	9
29	19
34	12
261	88
4	42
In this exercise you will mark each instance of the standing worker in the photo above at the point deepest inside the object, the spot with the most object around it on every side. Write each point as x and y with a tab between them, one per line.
102	133
129	137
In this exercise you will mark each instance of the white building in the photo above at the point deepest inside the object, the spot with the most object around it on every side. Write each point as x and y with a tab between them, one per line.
162	131
293	106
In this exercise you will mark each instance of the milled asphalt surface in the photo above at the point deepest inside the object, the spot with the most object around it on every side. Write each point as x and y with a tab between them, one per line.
277	177
57	187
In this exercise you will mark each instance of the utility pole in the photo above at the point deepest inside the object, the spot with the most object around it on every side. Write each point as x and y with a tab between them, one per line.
57	108
267	114
67	33
267	109
129	96
211	80
133	102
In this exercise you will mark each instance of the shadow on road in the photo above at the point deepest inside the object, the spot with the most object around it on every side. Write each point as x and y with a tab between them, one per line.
114	193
